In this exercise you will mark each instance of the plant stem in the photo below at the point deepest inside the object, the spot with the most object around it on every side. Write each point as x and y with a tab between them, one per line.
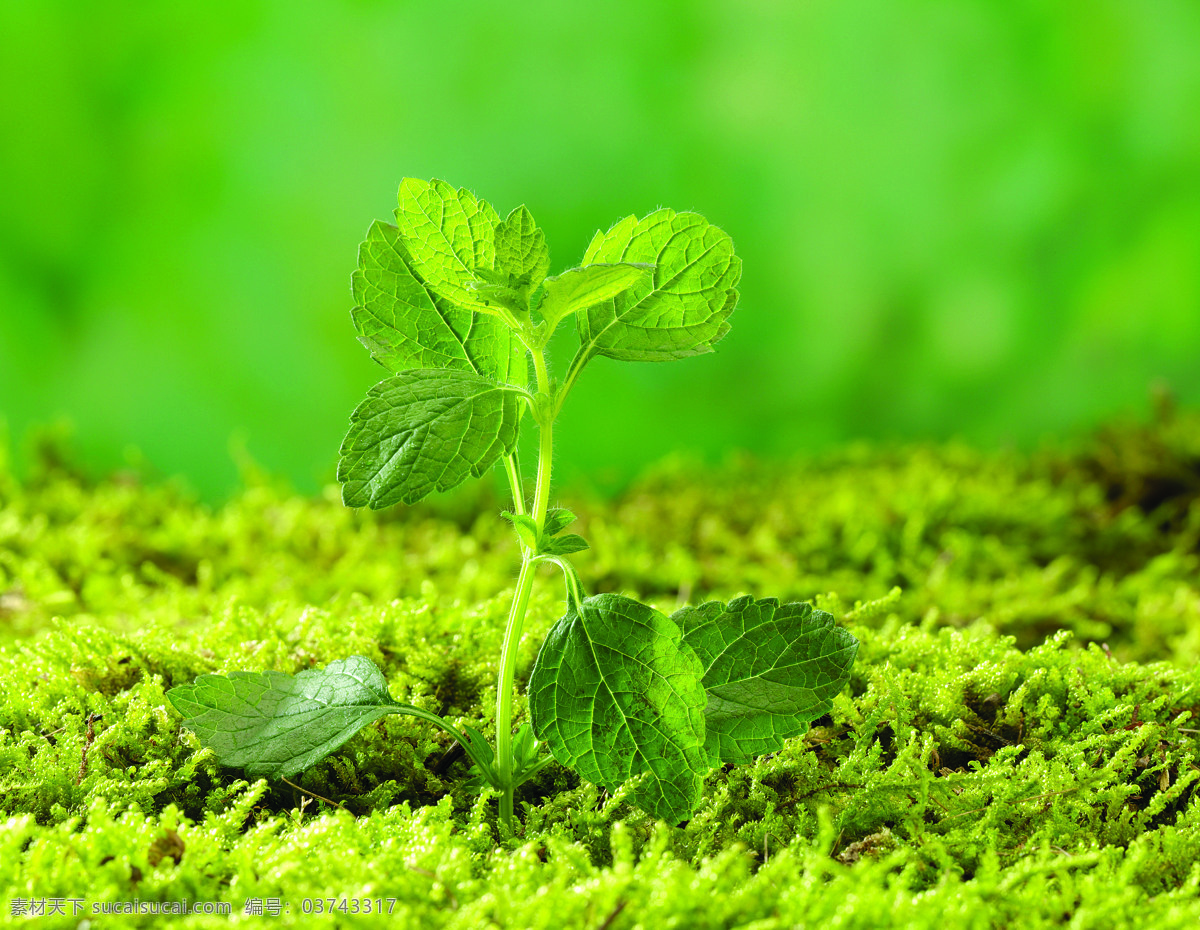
513	469
541	493
504	688
516	614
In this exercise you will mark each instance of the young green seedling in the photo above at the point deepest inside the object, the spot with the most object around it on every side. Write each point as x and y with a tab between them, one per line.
456	303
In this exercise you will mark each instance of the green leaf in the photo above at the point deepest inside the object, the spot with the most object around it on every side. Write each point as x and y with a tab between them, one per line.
405	324
450	235
525	526
557	520
680	311
521	251
547	543
616	693
480	751
562	545
499	295
527	758
274	724
524	749
422	431
580	288
769	671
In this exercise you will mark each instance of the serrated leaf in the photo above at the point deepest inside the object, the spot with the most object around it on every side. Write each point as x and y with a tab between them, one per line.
557	520
562	545
521	251
405	324
615	693
580	288
449	235
271	723
422	431
769	671
682	310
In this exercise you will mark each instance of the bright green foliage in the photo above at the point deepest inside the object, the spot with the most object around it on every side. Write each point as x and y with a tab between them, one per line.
548	541
449	235
989	765
567	544
269	723
579	288
614	694
683	309
553	540
654	289
557	520
521	252
958	769
500	297
405	324
423	431
769	671
526	527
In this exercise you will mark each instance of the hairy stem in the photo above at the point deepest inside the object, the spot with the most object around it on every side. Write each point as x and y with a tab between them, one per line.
541	493
504	688
513	470
516	614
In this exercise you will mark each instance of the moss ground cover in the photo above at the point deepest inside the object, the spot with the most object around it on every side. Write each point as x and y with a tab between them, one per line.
1018	745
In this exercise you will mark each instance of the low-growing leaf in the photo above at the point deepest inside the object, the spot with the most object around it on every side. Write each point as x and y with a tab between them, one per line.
679	311
449	234
521	252
271	723
524	749
580	288
405	324
422	431
615	693
478	747
769	671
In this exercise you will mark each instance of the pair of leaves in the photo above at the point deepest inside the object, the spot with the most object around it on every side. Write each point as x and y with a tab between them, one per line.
548	542
452	410
621	690
525	762
274	724
552	545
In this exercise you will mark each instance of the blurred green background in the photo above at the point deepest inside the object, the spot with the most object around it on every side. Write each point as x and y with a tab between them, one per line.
976	218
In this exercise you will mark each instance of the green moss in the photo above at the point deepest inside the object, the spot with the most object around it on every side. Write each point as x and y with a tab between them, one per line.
1018	745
